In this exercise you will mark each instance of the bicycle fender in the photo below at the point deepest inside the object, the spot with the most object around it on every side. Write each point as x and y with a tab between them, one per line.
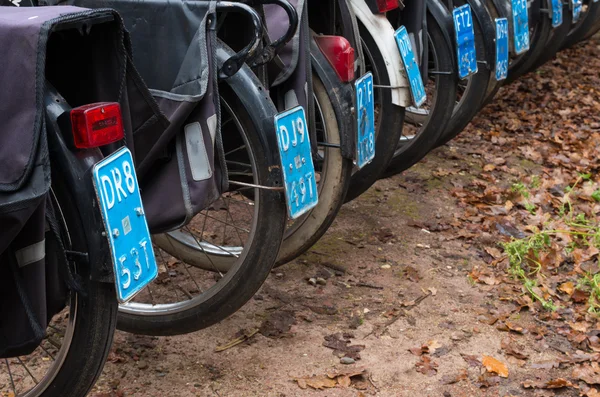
342	98
254	96
488	28
444	19
75	168
383	33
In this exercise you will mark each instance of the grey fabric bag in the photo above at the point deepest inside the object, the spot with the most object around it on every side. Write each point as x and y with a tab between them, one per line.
181	168
32	282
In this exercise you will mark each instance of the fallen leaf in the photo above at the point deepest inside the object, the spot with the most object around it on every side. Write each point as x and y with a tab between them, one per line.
451	379
590	374
341	346
581	326
493	252
546	364
472	360
344	381
277	324
580	296
489	167
426	366
512	348
318	382
433	345
495	366
508	326
567	288
591	392
432	290
551	384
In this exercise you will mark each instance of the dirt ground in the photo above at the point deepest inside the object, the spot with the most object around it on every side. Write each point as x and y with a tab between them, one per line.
410	283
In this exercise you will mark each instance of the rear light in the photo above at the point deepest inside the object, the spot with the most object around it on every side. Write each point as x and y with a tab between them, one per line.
97	124
380	6
340	55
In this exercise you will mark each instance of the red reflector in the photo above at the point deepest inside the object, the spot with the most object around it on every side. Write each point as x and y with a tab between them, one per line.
387	5
340	55
97	124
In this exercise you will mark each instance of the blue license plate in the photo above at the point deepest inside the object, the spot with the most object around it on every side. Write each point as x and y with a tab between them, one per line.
465	41
557	13
520	26
417	89
577	6
365	105
118	192
296	161
501	48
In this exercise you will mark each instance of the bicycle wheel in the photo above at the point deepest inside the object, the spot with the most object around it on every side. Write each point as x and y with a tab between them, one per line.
556	39
540	28
472	91
333	178
586	23
389	119
71	357
425	125
214	265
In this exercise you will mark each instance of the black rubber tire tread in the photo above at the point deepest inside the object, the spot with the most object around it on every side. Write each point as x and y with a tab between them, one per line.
445	99
472	102
389	126
555	41
309	233
537	47
257	265
590	23
94	324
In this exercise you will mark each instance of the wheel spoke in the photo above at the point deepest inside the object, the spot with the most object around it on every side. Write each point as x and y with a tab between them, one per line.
12	381
28	371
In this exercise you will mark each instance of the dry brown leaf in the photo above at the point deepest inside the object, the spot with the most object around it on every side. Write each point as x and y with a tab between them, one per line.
591	392
495	366
508	326
512	348
546	364
426	366
590	374
332	374
318	382
451	379
472	360
344	381
567	288
551	384
493	252
489	167
433	345
580	327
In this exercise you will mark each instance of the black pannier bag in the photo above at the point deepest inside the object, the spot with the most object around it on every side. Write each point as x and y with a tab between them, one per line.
33	269
181	168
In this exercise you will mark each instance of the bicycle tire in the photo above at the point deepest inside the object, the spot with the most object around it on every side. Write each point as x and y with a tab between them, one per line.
442	54
476	90
389	123
585	26
537	44
91	322
555	40
255	263
307	230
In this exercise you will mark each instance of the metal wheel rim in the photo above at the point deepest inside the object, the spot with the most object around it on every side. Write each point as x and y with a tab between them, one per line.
230	258
59	359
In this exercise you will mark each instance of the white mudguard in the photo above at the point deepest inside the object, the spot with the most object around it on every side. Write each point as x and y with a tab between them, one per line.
383	33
